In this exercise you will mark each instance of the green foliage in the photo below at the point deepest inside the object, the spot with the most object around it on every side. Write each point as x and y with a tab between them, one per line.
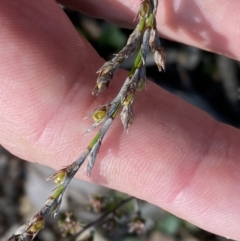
113	37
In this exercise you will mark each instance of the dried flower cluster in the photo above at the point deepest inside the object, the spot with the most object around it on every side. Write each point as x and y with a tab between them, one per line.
68	226
97	203
144	36
137	225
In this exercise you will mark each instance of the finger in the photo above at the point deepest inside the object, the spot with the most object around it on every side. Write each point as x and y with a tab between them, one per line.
39	72
200	23
175	156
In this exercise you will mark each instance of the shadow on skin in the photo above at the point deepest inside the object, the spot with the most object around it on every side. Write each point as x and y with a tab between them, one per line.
195	25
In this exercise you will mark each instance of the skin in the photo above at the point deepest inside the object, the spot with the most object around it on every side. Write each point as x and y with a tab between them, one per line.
174	156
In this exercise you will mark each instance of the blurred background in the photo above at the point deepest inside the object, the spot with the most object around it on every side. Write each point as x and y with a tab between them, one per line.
206	80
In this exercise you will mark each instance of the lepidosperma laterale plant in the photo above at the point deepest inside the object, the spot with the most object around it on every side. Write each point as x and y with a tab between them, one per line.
143	37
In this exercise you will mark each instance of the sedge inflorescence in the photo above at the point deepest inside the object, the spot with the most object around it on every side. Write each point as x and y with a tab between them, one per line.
143	38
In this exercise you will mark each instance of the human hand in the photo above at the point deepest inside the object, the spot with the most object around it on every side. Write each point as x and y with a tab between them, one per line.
175	156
